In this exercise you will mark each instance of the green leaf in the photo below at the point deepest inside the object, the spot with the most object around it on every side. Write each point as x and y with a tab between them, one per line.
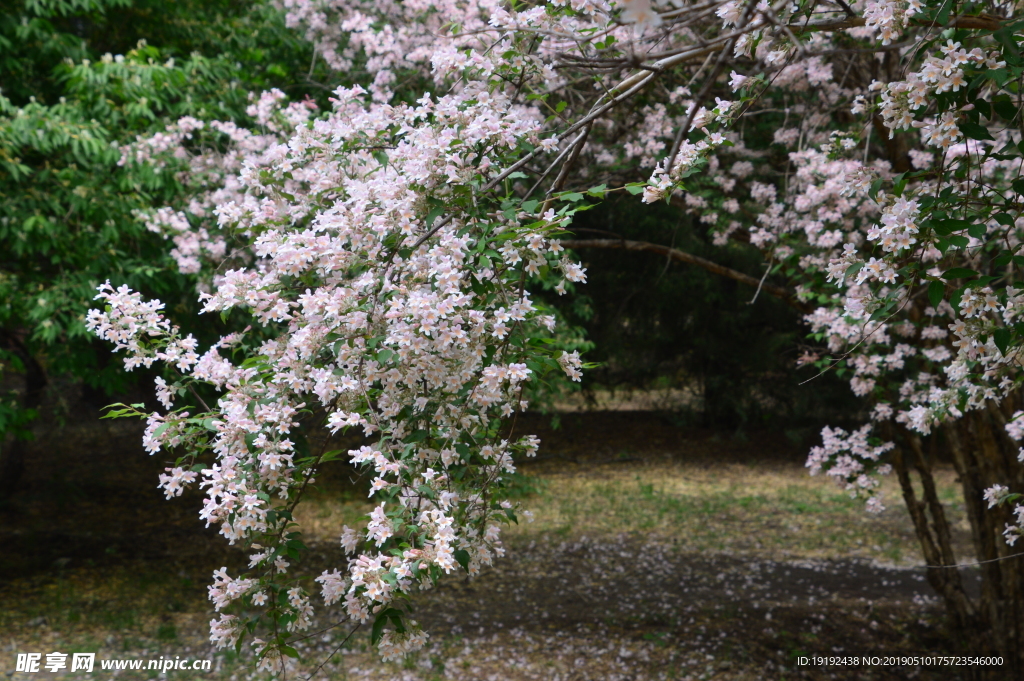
899	184
396	618
461	556
978	231
975	131
433	215
378	627
1005	37
959	241
875	187
958	273
1002	337
1006	110
936	289
947	227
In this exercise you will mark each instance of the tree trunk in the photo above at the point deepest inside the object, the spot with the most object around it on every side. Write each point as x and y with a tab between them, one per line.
983	455
12	449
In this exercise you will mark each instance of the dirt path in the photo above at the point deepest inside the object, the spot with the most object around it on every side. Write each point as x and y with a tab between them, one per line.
692	558
626	608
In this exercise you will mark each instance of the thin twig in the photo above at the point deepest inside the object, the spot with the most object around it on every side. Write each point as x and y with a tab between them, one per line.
980	562
335	651
767	270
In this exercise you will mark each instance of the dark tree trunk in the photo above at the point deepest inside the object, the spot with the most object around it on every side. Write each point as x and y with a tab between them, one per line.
983	455
12	449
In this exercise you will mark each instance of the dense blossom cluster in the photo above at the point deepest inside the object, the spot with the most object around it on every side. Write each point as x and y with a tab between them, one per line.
418	334
850	457
922	364
937	75
889	18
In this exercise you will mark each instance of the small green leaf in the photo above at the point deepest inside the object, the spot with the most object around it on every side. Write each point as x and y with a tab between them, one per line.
935	291
899	183
433	215
378	627
947	227
958	273
977	231
875	186
1002	339
1005	109
975	131
461	556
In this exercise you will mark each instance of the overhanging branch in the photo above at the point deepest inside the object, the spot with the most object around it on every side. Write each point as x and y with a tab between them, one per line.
675	254
983	22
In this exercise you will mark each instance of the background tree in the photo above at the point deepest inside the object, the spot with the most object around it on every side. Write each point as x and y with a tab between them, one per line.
722	352
80	79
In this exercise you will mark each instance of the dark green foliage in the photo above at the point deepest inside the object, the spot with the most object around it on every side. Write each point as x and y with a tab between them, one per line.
249	40
656	323
80	78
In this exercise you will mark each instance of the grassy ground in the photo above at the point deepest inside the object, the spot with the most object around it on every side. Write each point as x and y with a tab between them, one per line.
686	556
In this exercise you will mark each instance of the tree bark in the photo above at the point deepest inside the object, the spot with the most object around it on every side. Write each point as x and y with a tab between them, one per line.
983	455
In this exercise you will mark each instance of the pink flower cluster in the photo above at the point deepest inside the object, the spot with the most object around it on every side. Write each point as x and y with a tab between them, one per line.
376	316
849	458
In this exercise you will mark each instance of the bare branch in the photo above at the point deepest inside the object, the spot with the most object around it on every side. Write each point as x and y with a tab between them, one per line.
781	293
984	23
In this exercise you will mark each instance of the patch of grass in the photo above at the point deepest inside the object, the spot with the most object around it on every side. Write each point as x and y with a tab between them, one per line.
772	510
167	632
777	510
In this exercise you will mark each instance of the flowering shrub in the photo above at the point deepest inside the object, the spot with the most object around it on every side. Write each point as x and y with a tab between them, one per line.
416	331
382	250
